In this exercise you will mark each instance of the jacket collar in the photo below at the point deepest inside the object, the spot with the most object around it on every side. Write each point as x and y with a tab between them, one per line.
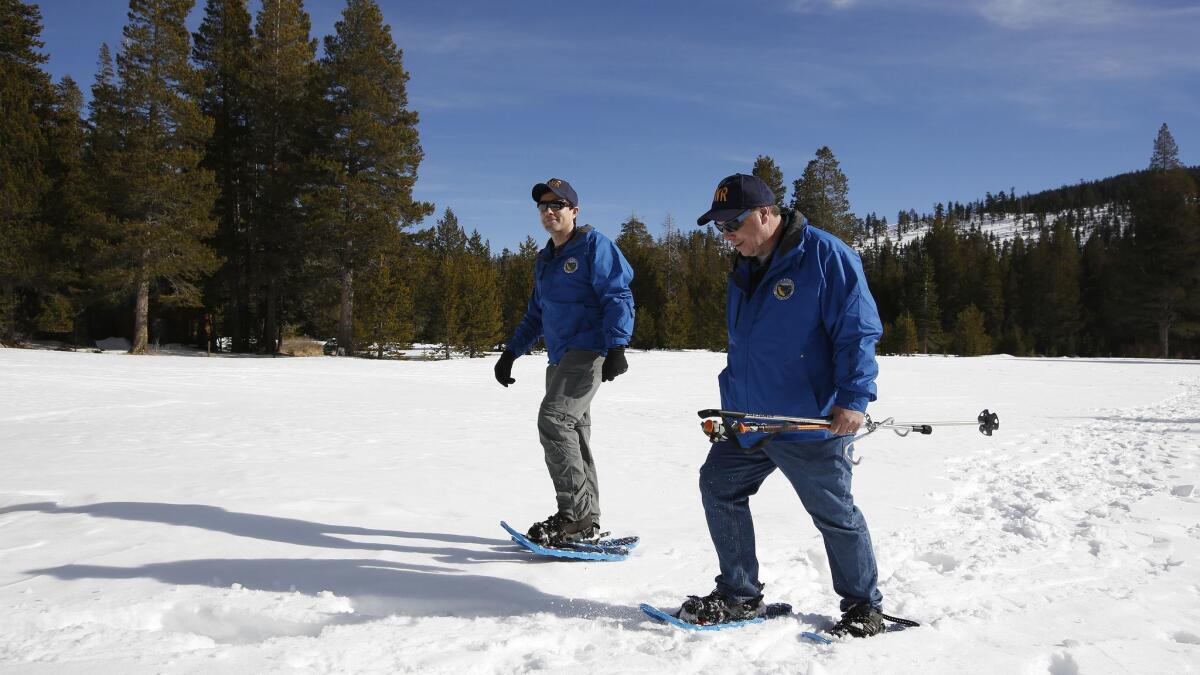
549	252
793	225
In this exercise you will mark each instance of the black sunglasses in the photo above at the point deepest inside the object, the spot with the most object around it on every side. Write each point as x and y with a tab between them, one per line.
732	224
557	205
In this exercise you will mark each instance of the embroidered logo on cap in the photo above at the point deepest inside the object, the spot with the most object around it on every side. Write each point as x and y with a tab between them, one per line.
784	289
554	182
570	265
721	194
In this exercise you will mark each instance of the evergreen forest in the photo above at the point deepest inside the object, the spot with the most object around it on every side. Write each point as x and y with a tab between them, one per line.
231	189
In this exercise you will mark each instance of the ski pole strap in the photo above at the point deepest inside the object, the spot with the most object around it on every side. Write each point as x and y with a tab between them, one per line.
761	443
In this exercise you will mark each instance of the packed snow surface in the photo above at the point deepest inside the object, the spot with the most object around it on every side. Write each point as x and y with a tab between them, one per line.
168	514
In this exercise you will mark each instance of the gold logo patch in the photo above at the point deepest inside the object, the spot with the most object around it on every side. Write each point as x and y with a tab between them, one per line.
784	288
721	194
570	265
554	182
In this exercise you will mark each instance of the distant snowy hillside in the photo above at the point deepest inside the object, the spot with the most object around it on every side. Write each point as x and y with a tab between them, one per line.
1006	227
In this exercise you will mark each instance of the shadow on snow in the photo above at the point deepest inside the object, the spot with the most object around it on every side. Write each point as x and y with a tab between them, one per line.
376	587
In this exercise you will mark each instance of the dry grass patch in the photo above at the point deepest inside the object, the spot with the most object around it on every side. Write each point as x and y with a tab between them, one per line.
302	346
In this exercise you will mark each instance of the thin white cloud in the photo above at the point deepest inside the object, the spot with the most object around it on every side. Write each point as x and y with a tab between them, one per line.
1024	14
805	6
1028	13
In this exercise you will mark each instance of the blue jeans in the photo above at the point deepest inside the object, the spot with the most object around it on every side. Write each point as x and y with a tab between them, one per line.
820	474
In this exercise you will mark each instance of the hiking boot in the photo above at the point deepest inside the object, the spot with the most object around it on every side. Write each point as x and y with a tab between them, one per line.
716	607
559	529
861	620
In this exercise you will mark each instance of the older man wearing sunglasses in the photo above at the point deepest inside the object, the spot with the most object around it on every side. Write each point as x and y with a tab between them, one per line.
581	304
802	333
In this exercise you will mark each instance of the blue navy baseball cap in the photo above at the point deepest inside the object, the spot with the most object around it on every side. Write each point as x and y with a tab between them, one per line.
559	187
735	194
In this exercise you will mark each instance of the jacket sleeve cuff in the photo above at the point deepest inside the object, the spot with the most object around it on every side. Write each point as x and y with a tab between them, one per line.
852	400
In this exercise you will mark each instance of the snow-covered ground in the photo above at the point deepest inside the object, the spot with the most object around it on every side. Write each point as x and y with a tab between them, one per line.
247	515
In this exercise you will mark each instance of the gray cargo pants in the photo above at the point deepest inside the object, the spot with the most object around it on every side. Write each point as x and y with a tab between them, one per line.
564	426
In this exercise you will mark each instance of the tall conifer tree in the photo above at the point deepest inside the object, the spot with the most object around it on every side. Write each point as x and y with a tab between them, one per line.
481	295
445	294
384	299
1161	257
283	105
822	194
64	255
707	259
516	282
370	140
766	170
161	212
640	250
25	92
222	52
970	336
1166	153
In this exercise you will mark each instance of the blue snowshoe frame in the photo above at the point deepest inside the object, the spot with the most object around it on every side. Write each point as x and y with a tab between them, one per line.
605	549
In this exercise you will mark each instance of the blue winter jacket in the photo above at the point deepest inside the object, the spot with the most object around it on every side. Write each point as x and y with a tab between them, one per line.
803	339
581	298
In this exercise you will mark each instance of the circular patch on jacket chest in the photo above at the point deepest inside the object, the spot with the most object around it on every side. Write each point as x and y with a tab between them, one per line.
784	289
570	265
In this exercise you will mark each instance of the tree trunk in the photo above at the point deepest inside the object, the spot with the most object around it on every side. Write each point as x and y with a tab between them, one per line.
235	318
141	312
8	304
1164	337
345	322
270	328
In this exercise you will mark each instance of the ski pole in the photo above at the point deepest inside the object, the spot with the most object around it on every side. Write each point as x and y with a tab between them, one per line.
715	429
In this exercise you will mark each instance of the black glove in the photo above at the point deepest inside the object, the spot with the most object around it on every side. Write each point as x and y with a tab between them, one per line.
504	368
614	364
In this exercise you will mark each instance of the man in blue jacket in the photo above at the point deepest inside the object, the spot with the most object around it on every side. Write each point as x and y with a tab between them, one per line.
581	304
802	331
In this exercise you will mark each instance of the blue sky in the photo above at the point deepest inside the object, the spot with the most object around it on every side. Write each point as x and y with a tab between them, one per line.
644	106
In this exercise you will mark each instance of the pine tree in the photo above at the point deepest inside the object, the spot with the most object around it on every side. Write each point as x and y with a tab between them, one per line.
516	282
899	336
970	335
640	250
64	256
927	310
104	137
1166	153
384	300
159	217
675	323
1162	272
707	259
446	295
481	294
1098	296
903	338
1059	313
222	52
370	140
283	102
24	94
821	194
766	170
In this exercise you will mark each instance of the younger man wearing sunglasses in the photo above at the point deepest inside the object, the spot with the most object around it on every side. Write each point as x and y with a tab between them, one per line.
582	306
802	332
